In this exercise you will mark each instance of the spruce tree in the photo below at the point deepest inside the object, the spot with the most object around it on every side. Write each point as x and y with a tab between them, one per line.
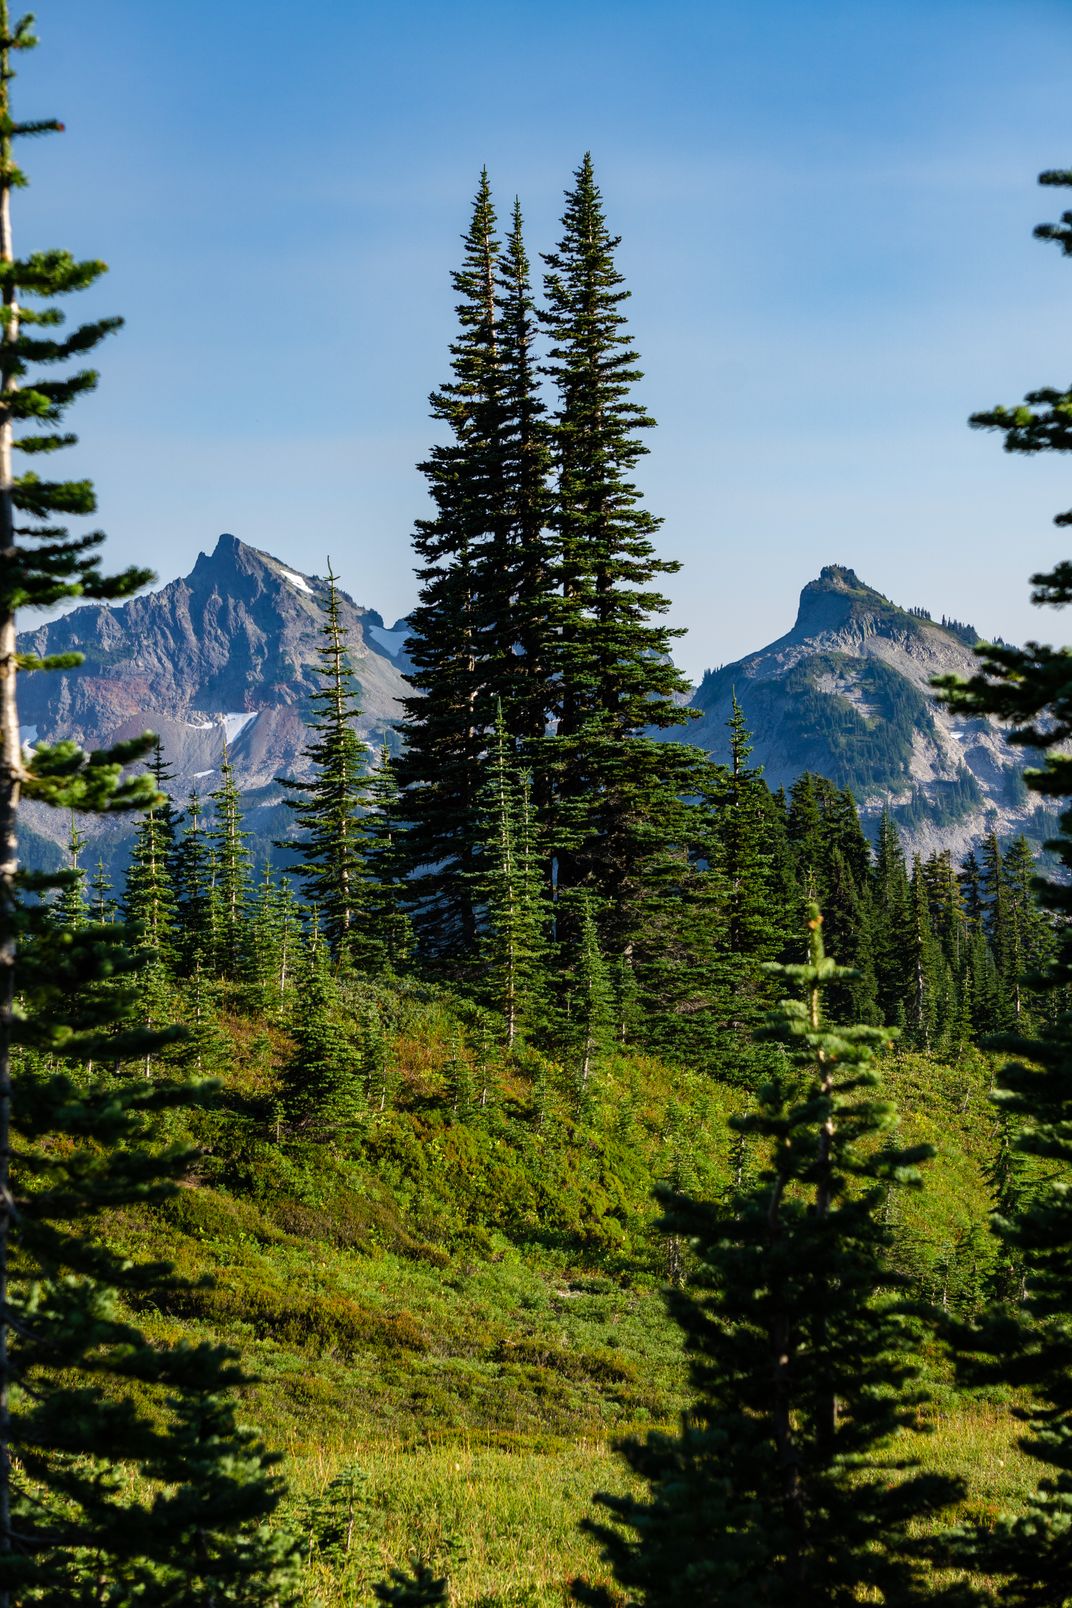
82	1391
784	1484
328	807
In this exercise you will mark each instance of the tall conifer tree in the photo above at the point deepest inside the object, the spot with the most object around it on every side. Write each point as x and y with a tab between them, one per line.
75	1372
524	617
614	676
231	863
444	732
328	806
785	1485
1030	1343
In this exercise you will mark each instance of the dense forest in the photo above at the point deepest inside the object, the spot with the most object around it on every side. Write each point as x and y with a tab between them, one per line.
559	1115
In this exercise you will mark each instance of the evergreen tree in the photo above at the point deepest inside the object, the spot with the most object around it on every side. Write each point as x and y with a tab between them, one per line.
890	901
447	720
72	909
322	1079
926	974
783	1485
514	940
590	1003
613	674
328	807
231	861
377	1065
149	893
388	944
417	1587
523	620
1030	942
275	933
82	1391
970	877
193	888
1030	1344
103	906
754	928
170	819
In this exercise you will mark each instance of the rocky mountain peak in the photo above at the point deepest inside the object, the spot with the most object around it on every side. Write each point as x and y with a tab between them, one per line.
839	601
224	655
847	693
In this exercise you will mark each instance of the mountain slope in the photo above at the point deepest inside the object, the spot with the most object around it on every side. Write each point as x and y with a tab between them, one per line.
223	655
847	693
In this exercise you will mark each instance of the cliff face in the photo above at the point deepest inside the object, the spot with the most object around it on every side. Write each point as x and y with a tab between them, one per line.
847	693
225	654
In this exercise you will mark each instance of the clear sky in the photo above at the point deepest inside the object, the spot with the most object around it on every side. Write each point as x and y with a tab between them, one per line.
826	211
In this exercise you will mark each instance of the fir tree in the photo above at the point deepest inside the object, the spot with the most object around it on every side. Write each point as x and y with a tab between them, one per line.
193	888
72	908
511	888
783	1484
1030	934
102	905
890	901
970	877
377	1065
149	893
322	1080
231	861
275	933
1030	1344
591	1003
81	1389
524	614
388	943
613	674
328	807
447	721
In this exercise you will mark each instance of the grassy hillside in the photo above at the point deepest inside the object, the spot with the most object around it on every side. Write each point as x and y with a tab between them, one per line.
456	1306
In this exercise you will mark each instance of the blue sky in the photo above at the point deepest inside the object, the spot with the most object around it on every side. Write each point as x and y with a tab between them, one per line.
826	213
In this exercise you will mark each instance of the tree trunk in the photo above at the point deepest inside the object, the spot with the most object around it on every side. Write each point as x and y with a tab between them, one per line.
11	776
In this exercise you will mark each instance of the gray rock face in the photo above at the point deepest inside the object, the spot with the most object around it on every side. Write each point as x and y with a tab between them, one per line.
847	693
224	655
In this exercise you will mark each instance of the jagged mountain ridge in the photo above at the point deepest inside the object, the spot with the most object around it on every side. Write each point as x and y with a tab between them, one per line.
846	693
225	654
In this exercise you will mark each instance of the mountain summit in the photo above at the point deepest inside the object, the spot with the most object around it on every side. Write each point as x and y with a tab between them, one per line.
846	692
224	655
